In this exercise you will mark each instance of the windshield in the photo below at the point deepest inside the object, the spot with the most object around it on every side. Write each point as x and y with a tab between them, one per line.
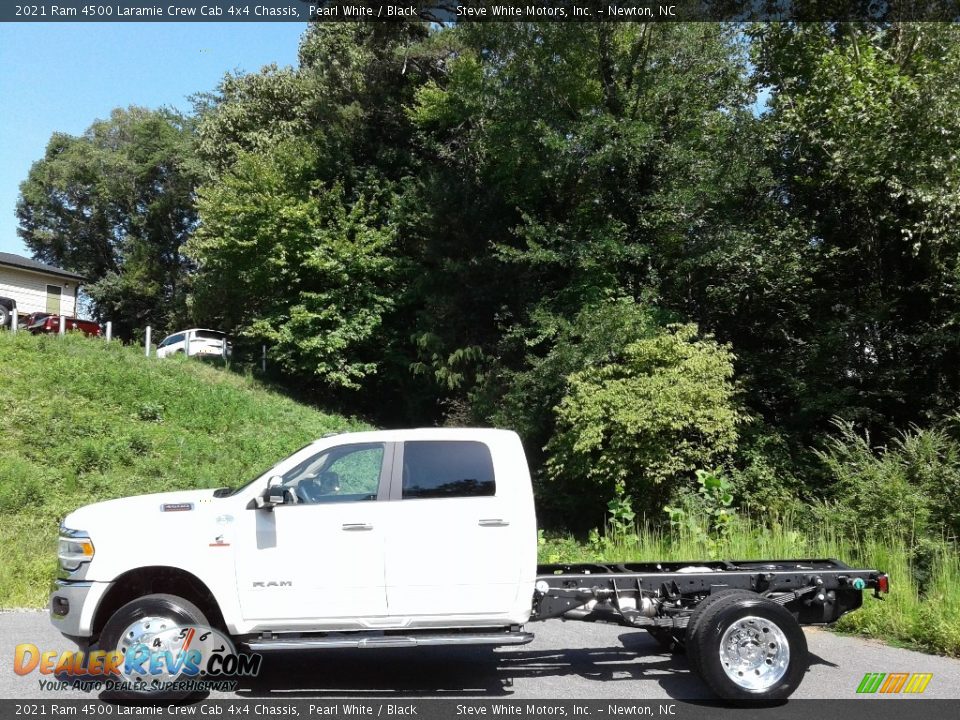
235	491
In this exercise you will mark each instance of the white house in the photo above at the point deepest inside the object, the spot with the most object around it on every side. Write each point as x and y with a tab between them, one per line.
32	286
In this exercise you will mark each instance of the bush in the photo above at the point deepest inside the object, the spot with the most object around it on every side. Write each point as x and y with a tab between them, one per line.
643	423
553	348
556	348
765	472
706	514
910	488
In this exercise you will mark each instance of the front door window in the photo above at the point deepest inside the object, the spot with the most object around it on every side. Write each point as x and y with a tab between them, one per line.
348	473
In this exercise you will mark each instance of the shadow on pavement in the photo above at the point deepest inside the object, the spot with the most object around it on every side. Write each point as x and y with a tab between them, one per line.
817	660
468	672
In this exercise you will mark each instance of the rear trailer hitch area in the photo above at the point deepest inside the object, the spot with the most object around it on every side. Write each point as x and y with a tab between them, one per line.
739	622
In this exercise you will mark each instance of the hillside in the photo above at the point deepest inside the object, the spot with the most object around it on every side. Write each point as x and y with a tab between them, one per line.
84	420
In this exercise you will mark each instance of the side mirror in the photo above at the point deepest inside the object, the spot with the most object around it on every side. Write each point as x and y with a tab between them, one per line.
275	494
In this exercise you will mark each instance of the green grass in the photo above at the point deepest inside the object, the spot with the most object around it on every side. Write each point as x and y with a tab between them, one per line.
84	420
921	615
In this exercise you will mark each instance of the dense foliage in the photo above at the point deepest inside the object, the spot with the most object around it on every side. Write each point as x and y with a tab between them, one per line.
638	425
652	249
116	204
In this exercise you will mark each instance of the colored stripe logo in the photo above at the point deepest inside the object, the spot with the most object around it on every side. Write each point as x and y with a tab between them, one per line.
892	683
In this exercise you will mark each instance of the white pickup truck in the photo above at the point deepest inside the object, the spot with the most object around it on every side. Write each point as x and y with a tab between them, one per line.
416	537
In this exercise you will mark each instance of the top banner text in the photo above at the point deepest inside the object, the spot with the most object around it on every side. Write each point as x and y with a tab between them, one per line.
459	11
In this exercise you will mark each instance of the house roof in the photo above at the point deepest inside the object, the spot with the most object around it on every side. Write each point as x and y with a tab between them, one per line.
18	261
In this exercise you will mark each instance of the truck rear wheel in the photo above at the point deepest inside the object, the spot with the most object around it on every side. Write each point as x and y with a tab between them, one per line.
699	612
148	620
749	648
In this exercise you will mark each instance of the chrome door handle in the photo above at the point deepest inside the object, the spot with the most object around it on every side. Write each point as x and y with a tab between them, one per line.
493	522
354	527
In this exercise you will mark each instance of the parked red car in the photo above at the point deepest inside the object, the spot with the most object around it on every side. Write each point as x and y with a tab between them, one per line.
45	323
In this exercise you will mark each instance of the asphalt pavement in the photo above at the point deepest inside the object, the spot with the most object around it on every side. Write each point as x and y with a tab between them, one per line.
567	660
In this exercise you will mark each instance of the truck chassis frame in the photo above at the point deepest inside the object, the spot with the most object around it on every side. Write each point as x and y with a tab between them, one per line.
816	591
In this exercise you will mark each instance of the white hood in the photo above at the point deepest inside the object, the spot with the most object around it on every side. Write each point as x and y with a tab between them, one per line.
140	509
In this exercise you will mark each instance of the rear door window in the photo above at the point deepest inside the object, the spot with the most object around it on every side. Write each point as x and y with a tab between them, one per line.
447	469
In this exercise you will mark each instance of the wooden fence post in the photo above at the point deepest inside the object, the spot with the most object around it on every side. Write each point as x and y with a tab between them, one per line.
147	343
63	326
109	330
263	359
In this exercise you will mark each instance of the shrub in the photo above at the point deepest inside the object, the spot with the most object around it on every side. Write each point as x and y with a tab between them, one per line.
708	513
765	472
910	488
554	348
643	423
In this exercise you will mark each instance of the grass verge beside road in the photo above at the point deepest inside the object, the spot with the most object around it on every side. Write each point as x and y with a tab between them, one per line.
84	420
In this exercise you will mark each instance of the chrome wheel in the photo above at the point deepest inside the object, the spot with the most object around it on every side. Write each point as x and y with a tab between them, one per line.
159	638
754	653
158	635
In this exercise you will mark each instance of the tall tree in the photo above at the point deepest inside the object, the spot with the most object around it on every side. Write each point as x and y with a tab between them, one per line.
864	131
300	209
116	204
567	160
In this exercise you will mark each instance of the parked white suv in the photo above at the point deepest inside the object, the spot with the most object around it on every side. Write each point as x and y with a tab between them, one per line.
196	342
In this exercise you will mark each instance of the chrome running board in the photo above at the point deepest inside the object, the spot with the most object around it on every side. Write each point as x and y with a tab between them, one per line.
361	640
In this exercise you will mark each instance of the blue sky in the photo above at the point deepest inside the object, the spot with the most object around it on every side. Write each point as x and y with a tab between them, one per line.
62	77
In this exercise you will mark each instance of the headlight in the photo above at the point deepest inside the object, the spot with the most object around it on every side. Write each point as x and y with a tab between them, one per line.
74	547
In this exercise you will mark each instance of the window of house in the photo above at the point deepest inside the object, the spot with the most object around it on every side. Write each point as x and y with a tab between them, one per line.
54	293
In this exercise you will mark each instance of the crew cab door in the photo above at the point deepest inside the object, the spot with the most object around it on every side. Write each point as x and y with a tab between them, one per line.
320	555
457	536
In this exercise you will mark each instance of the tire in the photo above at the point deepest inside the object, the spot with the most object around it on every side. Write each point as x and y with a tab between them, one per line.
166	607
696	618
4	318
749	649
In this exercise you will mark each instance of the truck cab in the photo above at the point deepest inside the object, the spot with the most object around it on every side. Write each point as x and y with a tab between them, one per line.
408	531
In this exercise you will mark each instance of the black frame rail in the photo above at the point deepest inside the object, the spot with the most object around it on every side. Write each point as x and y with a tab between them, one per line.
816	591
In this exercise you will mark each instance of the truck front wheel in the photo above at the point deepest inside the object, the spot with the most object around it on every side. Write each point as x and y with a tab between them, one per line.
154	622
750	648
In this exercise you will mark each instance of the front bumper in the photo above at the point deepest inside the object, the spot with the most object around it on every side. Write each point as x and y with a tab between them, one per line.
73	604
